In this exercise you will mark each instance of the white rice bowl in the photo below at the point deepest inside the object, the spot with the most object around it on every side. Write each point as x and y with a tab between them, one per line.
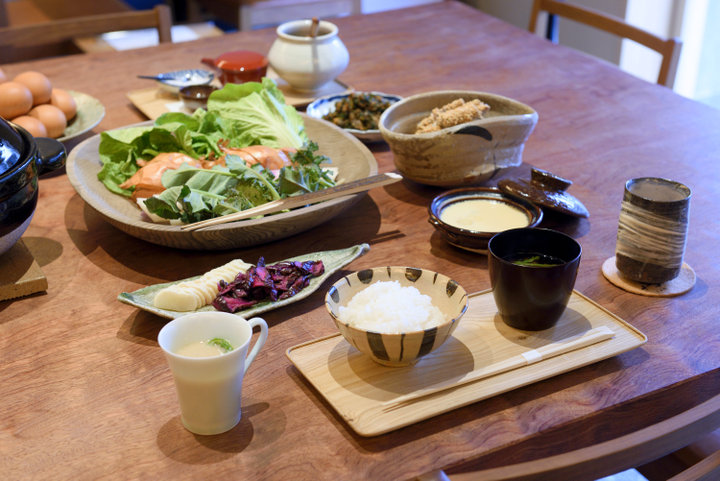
396	315
390	308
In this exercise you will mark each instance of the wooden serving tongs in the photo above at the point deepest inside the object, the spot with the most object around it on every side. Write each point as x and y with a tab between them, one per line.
294	201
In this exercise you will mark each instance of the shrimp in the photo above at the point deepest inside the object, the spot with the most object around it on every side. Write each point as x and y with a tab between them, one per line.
268	157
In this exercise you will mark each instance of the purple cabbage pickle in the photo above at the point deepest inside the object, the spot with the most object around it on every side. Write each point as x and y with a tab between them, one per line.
266	283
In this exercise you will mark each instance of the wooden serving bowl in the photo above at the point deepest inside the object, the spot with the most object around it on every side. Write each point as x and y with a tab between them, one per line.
462	155
350	156
405	348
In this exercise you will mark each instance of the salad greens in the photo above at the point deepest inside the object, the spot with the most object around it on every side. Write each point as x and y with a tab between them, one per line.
237	116
194	194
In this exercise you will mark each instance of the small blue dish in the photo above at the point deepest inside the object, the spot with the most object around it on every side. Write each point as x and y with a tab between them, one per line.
174	81
325	105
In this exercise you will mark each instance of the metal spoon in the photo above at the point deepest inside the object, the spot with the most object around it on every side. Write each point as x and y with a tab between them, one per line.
165	76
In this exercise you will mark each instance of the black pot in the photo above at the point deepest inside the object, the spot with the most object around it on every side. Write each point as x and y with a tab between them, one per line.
22	159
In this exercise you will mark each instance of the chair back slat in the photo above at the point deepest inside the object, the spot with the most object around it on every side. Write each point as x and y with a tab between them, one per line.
57	31
668	48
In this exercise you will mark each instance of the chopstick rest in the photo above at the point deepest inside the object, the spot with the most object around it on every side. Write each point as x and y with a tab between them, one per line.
292	202
573	343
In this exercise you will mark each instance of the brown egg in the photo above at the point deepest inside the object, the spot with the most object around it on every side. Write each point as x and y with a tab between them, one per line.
32	125
65	102
52	117
38	84
3	77
15	100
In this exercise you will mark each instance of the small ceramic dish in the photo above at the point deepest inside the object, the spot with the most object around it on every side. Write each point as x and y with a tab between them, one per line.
196	96
468	217
239	66
401	349
175	80
325	105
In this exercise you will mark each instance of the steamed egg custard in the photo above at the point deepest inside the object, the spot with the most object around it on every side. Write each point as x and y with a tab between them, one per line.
484	215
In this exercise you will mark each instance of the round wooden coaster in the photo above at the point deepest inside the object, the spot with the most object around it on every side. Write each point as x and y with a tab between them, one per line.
680	285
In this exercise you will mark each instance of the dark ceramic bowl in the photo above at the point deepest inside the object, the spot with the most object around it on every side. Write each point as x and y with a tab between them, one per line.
475	240
196	96
532	273
22	159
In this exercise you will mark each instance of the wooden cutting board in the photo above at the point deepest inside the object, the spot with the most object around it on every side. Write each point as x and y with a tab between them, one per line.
20	274
362	391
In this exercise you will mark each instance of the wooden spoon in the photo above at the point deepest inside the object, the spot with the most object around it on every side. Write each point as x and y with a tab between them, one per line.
314	27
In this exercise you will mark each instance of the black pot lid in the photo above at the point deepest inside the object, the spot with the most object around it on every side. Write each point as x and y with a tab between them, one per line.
546	190
11	146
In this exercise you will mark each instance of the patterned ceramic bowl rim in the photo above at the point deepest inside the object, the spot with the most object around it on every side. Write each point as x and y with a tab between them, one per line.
410	271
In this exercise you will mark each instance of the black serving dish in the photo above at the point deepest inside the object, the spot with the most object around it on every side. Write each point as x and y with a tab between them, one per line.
22	159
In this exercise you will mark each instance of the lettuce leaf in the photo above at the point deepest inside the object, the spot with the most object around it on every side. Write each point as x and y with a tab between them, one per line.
253	113
194	194
260	111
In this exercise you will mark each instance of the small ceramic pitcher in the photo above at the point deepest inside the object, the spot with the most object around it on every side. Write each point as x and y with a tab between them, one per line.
307	62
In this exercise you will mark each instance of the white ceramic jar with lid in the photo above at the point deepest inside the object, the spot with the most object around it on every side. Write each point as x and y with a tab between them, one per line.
308	62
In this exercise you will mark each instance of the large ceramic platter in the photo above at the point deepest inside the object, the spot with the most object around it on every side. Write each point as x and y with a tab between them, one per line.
89	114
350	156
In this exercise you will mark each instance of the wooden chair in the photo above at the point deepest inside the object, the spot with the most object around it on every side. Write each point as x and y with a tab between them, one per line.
21	37
617	455
4	18
668	48
249	14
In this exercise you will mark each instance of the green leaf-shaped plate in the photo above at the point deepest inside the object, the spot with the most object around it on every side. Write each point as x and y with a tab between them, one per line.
332	260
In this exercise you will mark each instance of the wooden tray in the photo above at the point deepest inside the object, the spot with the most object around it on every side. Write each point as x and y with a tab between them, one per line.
154	101
363	392
20	274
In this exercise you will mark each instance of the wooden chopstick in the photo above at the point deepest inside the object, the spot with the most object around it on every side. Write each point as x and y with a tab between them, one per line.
292	202
573	343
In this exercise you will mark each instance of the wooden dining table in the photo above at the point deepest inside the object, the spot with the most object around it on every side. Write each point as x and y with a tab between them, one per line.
87	394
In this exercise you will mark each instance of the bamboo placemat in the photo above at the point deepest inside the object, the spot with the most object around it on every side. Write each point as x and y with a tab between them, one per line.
363	392
154	101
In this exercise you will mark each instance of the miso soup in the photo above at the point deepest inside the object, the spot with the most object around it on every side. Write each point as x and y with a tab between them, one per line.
534	259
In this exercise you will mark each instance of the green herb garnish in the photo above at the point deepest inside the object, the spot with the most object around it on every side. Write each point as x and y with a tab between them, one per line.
221	343
537	261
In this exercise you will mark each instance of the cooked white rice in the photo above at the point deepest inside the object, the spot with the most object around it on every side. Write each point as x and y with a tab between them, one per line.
388	307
